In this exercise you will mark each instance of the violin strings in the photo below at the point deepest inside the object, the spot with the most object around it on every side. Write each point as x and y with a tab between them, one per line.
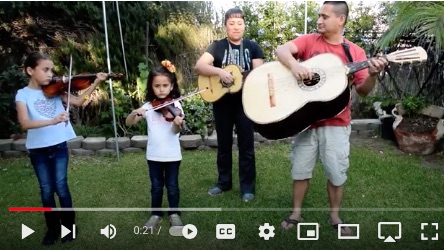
177	99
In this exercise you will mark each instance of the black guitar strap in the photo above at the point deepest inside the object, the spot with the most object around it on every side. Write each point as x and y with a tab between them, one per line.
347	53
232	60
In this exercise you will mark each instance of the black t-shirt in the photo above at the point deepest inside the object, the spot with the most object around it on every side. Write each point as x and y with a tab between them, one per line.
222	57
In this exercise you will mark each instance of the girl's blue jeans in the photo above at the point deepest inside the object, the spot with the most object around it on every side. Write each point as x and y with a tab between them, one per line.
51	167
164	174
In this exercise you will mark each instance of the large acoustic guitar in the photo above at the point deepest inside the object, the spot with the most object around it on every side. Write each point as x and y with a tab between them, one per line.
282	106
216	88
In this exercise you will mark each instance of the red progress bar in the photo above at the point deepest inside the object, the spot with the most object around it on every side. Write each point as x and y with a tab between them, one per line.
29	209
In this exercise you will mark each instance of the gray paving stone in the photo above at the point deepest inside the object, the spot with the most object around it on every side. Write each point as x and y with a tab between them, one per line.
5	144
259	138
139	141
106	152
122	142
94	143
19	145
132	150
13	154
190	141
82	152
76	142
365	124
211	141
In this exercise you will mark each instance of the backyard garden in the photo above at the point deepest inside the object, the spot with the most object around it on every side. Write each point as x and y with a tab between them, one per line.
397	151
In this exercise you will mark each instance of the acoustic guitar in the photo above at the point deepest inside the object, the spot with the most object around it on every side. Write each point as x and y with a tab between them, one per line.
281	106
216	88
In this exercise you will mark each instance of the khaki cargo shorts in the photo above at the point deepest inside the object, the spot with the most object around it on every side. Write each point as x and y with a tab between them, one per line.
331	144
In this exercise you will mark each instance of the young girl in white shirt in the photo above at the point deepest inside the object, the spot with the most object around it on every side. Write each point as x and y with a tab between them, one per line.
48	129
163	152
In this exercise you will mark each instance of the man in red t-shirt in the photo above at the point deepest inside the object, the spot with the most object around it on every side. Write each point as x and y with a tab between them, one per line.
328	138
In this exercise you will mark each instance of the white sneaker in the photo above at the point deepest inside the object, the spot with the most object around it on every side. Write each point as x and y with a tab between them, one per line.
153	221
175	220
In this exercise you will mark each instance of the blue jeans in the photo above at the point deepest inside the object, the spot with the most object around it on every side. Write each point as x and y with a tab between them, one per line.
164	174
51	167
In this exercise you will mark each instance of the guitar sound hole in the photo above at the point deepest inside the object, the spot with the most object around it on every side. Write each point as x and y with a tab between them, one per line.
225	84
314	80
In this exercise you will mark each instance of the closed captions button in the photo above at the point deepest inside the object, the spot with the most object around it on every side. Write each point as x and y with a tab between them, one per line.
176	231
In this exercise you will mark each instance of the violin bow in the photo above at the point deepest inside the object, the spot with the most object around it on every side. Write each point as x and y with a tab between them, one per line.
177	99
69	87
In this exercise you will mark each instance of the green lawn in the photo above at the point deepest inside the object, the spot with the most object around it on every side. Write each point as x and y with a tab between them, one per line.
381	187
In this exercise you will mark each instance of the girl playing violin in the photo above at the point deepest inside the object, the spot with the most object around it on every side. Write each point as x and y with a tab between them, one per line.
163	152
48	128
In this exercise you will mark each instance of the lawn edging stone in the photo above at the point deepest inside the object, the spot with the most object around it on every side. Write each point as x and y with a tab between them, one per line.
82	145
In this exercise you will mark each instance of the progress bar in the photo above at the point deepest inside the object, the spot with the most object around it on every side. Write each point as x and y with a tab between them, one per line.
219	209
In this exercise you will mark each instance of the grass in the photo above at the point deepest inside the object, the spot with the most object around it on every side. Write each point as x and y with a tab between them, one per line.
383	182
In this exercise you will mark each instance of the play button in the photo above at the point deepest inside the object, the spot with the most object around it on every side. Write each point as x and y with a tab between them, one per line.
26	231
65	231
189	231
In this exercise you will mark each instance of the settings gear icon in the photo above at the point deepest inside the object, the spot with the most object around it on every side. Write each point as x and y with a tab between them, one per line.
270	231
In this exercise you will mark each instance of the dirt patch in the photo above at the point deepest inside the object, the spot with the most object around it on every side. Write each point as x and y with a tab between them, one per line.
434	161
418	124
378	145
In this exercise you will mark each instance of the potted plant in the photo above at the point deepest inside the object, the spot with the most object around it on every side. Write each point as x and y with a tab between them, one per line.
418	126
383	107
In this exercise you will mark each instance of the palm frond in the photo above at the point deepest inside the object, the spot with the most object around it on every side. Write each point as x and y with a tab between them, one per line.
418	18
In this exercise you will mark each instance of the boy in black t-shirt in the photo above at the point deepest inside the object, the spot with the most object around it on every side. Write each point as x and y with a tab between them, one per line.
228	110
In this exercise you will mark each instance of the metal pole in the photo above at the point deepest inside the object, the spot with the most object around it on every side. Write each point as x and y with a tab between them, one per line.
121	40
110	81
147	41
306	10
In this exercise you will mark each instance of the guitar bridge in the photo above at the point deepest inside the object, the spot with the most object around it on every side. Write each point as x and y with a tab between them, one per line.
271	92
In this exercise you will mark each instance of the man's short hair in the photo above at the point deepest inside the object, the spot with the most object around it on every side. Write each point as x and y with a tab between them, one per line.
233	13
340	8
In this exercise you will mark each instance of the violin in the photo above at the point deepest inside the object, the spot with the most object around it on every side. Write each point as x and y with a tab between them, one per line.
59	85
169	112
166	106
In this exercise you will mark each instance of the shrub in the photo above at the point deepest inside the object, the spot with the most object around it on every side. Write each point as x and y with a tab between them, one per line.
412	105
10	82
198	116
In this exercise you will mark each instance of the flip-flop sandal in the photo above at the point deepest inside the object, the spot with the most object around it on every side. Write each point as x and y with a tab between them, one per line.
292	222
345	231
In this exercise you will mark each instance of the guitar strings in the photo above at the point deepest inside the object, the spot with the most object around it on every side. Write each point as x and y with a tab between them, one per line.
401	55
285	85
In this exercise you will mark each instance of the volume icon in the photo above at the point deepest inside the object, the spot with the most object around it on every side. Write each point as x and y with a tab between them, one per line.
109	231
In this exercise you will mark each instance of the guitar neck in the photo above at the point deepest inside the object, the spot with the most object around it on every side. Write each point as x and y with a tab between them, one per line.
357	66
410	55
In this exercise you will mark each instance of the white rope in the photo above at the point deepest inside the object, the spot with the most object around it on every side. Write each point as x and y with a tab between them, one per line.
305	18
121	40
110	80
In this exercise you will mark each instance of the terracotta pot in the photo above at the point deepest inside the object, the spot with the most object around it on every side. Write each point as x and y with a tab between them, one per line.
419	143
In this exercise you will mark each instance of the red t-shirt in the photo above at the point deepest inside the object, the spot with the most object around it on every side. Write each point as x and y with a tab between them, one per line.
314	44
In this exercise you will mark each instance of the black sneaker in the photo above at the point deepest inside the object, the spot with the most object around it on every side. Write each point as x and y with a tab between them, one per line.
50	238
